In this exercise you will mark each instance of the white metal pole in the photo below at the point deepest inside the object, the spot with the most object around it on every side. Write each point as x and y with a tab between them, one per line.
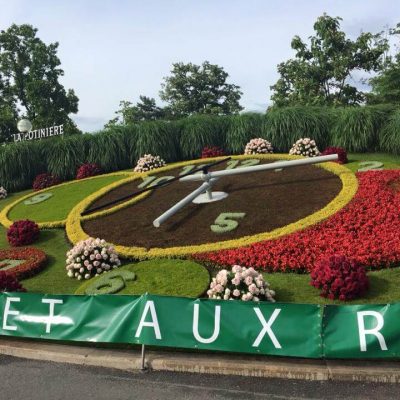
263	167
174	209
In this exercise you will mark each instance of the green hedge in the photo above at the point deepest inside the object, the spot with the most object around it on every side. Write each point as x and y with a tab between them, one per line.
357	129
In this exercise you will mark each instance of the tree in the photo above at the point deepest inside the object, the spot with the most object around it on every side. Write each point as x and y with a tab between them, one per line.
144	110
29	79
386	85
193	89
320	73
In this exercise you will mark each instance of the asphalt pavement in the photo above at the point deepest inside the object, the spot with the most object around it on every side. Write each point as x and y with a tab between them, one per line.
42	380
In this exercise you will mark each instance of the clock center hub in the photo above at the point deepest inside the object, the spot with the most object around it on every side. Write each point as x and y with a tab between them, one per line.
210	197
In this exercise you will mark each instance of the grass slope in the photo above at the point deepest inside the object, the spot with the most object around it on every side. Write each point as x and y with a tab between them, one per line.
64	198
164	277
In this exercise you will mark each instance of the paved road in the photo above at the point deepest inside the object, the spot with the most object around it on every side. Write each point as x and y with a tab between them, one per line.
28	379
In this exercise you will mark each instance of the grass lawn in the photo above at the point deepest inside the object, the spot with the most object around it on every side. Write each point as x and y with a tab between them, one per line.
164	277
389	161
64	198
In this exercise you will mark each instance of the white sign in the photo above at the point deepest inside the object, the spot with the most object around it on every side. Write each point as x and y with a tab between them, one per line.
56	130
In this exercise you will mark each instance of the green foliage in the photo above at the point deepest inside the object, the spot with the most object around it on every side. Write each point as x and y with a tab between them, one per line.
283	126
200	131
144	110
241	129
357	128
19	165
318	75
29	74
64	156
389	139
200	89
161	277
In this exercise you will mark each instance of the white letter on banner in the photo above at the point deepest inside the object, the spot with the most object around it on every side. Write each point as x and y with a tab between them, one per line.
7	312
267	328
51	302
153	323
217	318
374	331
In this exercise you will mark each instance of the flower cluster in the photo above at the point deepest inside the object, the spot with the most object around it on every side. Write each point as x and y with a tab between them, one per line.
240	284
148	162
91	257
3	193
305	147
367	229
45	180
9	283
258	146
33	261
339	277
340	151
212	151
87	170
22	233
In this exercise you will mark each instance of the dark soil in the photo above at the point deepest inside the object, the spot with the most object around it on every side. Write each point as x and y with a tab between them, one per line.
270	200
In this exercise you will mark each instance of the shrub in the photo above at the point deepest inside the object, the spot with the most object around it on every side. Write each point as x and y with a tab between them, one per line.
91	257
3	193
390	138
212	151
258	146
241	129
305	147
87	170
339	277
22	233
149	162
9	283
240	284
45	180
336	150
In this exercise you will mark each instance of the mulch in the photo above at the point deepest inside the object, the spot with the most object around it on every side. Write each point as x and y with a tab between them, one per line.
270	200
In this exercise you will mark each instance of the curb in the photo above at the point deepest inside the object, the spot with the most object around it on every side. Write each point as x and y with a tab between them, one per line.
219	364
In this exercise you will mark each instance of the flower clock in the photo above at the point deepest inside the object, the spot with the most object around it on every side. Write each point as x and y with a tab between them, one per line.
205	205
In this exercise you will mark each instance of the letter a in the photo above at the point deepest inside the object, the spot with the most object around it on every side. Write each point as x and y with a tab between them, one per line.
154	321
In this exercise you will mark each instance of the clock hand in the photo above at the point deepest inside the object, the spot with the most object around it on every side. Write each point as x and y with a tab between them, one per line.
204	169
257	168
210	177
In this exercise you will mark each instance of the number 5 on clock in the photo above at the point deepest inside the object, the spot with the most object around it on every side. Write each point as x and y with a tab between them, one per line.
225	222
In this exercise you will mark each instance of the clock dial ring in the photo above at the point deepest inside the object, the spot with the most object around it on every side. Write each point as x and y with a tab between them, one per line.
347	179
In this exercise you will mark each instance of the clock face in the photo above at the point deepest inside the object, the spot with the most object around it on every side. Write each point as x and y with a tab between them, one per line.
257	202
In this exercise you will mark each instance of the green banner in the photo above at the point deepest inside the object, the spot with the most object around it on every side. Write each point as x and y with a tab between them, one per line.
260	328
284	329
363	331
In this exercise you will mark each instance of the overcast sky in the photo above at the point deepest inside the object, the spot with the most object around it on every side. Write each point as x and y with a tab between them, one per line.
118	50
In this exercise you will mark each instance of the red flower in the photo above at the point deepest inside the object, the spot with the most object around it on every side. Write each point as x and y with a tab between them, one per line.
45	180
23	232
9	283
212	151
366	230
336	150
87	170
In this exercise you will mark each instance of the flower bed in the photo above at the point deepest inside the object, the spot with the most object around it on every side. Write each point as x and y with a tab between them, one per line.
367	230
34	261
23	232
45	180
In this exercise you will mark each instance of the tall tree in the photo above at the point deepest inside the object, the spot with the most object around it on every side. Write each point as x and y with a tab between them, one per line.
320	72
145	109
29	75
193	89
386	85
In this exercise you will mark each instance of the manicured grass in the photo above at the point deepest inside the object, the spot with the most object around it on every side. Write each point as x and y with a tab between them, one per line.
64	198
53	279
389	161
164	277
296	288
